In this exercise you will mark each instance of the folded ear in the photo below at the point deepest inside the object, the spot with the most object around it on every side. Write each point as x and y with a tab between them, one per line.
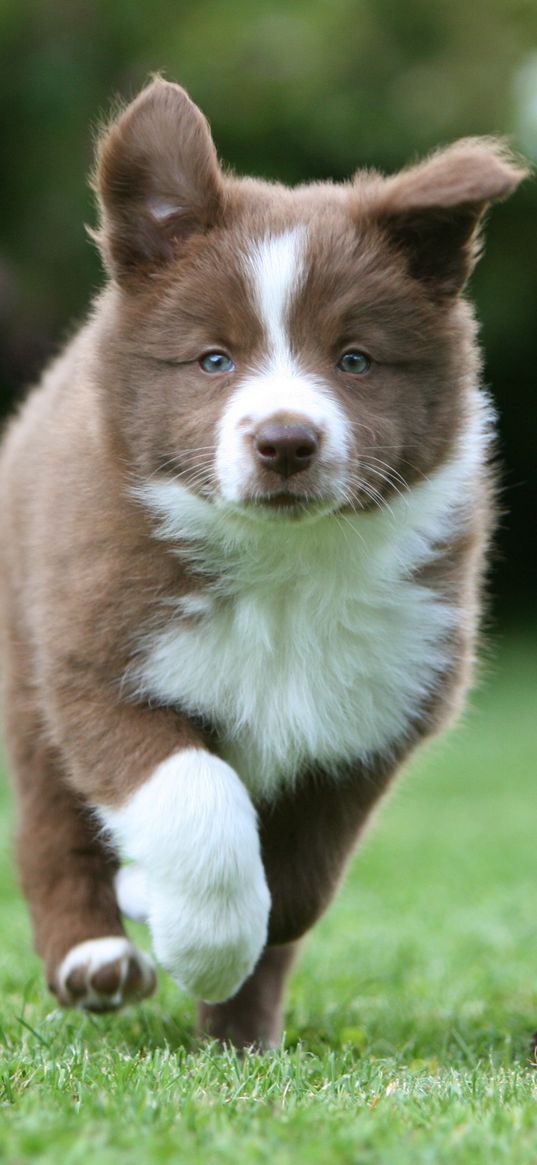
432	211
157	180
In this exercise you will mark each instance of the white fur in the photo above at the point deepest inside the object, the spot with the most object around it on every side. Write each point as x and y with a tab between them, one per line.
192	828
275	268
262	396
319	645
97	953
163	208
131	892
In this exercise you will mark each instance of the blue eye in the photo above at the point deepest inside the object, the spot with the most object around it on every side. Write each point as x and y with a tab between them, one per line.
216	362
354	361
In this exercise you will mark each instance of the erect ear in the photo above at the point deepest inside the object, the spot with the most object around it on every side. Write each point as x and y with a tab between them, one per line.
157	180
432	211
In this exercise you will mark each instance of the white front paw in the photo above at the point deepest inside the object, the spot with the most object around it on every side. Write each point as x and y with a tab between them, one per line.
211	943
192	829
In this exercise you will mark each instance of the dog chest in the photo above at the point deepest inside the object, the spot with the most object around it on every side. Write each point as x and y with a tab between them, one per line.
314	644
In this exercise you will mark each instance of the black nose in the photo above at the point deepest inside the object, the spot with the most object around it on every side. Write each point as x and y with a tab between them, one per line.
286	449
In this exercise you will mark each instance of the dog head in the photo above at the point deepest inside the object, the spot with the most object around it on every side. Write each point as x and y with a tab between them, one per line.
286	350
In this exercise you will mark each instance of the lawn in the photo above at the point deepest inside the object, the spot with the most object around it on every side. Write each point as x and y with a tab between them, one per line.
409	1017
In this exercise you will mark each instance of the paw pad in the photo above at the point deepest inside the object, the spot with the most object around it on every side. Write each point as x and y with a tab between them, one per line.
103	974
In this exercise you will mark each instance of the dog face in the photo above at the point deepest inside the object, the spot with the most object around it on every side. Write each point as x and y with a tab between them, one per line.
286	351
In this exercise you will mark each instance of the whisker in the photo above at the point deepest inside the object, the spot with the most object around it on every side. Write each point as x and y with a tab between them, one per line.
373	494
393	472
343	522
351	502
176	458
201	475
389	481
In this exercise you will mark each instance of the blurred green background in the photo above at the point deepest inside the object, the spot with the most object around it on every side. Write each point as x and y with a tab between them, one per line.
295	90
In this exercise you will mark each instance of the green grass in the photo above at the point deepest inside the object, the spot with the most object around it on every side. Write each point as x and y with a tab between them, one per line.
409	1016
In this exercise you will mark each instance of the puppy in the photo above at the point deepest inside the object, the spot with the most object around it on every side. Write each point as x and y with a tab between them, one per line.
243	527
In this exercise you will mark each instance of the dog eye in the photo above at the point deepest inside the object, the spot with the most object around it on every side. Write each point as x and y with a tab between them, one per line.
216	362
354	361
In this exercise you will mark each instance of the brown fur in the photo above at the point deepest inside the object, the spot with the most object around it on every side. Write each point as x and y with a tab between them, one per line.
81	572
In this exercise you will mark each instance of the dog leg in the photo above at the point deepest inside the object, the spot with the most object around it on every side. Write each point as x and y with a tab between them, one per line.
66	872
254	1016
67	875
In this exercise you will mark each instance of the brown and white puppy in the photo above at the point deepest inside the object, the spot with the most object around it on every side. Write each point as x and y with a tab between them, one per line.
243	527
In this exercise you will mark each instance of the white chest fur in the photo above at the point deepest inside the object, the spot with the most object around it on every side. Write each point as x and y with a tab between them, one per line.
316	643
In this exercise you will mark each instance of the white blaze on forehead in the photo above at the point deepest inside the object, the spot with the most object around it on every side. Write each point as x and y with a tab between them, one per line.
275	267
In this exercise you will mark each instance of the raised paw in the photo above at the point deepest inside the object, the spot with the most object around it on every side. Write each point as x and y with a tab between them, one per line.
103	974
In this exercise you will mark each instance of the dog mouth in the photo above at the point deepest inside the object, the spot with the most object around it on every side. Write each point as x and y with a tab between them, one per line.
285	504
283	500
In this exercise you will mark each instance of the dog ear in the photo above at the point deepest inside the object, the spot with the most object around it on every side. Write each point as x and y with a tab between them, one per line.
432	211
157	180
